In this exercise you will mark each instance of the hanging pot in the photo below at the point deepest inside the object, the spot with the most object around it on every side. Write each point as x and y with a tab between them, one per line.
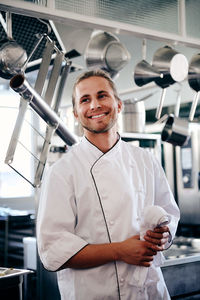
176	130
105	51
194	82
12	58
145	73
173	66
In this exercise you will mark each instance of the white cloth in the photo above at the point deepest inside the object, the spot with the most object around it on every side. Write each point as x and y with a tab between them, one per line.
153	216
89	197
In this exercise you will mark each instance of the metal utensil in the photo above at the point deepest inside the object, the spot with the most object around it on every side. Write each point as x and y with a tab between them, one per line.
174	67
105	51
176	130
20	85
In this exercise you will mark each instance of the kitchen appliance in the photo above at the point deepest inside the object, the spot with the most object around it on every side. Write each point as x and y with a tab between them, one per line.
184	175
187	179
194	82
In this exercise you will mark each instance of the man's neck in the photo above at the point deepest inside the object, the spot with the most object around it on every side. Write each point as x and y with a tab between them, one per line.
103	141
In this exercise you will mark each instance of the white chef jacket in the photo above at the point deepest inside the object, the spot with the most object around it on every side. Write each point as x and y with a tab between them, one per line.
91	197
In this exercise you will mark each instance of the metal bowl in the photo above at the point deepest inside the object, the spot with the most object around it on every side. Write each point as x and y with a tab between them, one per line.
105	51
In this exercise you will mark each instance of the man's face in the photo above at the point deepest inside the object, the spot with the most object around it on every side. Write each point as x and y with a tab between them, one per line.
96	107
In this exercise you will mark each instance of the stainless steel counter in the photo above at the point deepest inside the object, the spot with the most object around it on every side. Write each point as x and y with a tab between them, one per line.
181	270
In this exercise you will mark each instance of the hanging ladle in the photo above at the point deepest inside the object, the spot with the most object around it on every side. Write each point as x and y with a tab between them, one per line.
173	66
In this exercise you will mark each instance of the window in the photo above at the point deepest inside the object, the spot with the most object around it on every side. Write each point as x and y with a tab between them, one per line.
12	185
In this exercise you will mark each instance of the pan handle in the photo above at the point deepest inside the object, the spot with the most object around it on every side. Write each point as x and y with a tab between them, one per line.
193	107
159	108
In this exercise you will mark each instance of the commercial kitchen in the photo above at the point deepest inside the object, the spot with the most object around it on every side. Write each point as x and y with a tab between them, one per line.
152	51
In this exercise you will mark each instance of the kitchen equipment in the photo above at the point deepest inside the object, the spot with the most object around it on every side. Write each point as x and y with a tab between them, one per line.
187	180
176	130
173	66
11	283
20	85
133	116
105	51
194	82
145	73
12	58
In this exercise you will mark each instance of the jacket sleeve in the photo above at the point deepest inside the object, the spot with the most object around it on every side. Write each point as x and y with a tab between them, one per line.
165	198
56	219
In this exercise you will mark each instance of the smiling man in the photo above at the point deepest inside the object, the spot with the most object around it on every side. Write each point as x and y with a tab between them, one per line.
91	205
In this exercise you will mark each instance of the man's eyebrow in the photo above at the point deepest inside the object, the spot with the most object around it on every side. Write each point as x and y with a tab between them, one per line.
85	96
101	92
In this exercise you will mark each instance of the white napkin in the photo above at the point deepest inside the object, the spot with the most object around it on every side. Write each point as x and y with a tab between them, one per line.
153	216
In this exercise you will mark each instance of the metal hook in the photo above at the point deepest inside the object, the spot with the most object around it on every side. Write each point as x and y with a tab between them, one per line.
47	24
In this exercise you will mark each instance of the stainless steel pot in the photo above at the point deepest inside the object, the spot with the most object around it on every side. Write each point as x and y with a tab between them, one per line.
145	73
133	116
173	66
105	51
175	131
12	58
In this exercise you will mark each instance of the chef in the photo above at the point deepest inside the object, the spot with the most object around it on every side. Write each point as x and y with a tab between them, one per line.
91	204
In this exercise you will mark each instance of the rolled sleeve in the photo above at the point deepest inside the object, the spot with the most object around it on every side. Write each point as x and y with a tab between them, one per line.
56	220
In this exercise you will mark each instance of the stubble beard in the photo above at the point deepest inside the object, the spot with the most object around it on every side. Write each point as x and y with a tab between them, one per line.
101	130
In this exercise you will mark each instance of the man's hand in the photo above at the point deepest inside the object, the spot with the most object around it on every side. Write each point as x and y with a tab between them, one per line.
136	252
159	236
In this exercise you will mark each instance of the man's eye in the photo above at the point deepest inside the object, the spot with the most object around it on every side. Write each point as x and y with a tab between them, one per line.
102	96
84	100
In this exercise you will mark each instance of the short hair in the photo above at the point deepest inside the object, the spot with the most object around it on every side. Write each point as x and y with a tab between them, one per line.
94	73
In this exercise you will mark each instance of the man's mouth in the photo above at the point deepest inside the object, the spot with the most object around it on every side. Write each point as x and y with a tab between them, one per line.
97	116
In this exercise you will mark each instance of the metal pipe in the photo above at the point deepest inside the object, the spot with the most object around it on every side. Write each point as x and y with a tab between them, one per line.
20	85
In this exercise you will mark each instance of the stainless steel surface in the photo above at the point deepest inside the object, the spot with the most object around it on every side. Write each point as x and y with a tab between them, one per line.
16	132
52	82
133	116
187	170
12	58
181	268
12	272
175	131
105	51
194	82
160	105
174	68
145	73
19	84
194	106
43	156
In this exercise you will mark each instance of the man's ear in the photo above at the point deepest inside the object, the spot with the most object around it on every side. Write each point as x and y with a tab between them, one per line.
75	113
119	106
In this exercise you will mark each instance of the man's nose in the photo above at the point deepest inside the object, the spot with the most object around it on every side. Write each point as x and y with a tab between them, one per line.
94	104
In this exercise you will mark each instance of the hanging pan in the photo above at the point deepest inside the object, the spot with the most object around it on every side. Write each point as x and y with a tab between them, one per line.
176	130
194	82
173	66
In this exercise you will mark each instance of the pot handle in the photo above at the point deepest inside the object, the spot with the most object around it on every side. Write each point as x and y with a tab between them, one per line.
193	107
159	108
